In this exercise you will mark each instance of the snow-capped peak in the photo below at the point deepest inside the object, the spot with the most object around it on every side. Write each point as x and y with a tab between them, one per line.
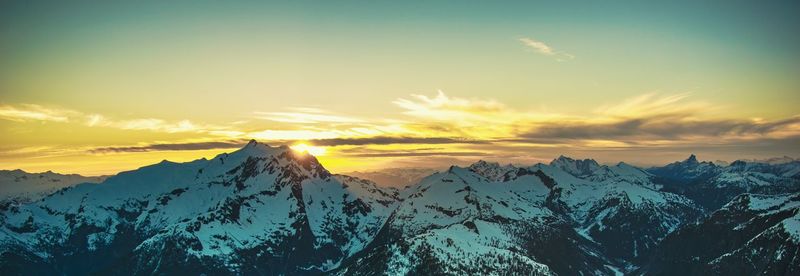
574	166
491	170
254	148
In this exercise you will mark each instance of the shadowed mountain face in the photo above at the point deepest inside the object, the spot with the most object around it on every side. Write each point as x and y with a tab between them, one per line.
269	210
712	186
751	235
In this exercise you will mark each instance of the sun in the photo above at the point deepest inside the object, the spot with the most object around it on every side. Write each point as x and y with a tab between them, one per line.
313	150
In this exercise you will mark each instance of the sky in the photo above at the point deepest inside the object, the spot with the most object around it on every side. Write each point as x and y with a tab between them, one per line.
98	87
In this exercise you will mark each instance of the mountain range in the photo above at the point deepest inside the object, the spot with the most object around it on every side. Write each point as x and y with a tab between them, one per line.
265	210
18	186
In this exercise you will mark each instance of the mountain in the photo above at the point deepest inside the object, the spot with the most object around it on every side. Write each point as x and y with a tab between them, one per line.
394	177
751	235
491	170
259	210
460	222
618	207
772	161
265	210
687	171
18	186
544	219
712	186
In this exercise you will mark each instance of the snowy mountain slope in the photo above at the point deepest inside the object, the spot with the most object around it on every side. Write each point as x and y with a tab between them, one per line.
269	210
18	186
460	222
588	210
618	207
260	209
751	235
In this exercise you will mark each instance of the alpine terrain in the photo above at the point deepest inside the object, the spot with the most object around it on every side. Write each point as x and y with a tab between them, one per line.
265	210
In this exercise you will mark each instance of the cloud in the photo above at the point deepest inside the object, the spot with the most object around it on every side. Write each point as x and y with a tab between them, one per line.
437	152
94	120
316	142
277	135
408	154
544	49
32	112
650	104
305	115
158	125
384	140
452	110
170	147
422	105
665	128
539	46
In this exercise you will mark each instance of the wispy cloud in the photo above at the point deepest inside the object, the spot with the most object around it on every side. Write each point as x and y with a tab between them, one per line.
305	115
32	112
417	153
159	125
544	49
664	128
290	135
170	147
384	140
446	108
652	104
423	105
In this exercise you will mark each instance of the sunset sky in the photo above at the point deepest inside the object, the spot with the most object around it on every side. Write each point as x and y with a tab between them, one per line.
99	87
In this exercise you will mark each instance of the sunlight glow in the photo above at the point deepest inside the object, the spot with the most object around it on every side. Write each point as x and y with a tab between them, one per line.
313	150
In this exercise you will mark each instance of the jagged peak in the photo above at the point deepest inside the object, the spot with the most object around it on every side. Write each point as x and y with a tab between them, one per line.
576	167
569	160
692	159
490	170
564	161
483	163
